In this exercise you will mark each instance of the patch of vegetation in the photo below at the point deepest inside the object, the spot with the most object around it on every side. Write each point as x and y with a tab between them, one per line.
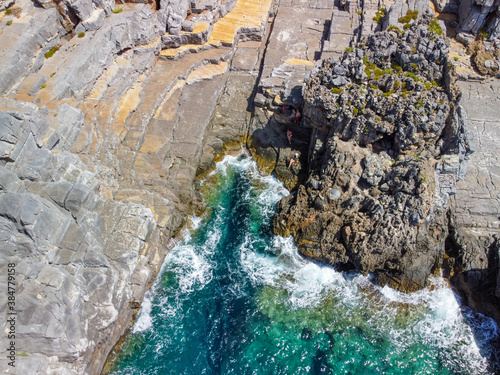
412	76
22	354
359	12
349	49
368	64
81	34
395	66
420	104
9	23
375	87
410	15
117	10
395	28
43	86
55	114
8	12
414	66
483	33
455	58
386	94
405	93
380	72
378	119
348	103
355	111
51	52
53	74
397	84
379	16
337	90
406	26
435	28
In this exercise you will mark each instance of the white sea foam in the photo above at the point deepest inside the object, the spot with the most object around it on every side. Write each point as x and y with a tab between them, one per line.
144	320
260	268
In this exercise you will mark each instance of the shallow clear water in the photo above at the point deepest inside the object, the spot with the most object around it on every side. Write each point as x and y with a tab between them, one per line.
233	298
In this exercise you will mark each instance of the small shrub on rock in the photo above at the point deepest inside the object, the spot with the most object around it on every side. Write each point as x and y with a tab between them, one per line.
410	15
435	28
51	52
81	34
117	10
379	16
395	28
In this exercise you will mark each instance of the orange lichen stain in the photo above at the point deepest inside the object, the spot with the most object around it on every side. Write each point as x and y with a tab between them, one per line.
248	14
102	82
199	28
294	61
207	72
173	52
151	144
152	44
167	111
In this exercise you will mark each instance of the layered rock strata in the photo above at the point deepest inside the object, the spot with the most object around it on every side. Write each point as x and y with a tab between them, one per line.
108	116
101	137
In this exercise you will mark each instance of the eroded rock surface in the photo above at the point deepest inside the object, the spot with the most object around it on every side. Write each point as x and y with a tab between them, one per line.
476	224
101	136
382	117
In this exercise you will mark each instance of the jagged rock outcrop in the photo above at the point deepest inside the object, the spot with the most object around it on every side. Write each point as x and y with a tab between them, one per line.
383	115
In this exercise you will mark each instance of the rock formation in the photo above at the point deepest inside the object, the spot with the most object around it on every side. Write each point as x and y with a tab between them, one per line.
102	133
382	115
110	111
387	159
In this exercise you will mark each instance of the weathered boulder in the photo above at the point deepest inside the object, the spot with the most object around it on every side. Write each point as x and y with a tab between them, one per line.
480	17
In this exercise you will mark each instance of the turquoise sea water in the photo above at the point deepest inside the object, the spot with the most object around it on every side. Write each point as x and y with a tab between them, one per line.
233	298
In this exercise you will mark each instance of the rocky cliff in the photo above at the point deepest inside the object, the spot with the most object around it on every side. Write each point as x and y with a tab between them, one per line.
110	111
383	117
382	181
